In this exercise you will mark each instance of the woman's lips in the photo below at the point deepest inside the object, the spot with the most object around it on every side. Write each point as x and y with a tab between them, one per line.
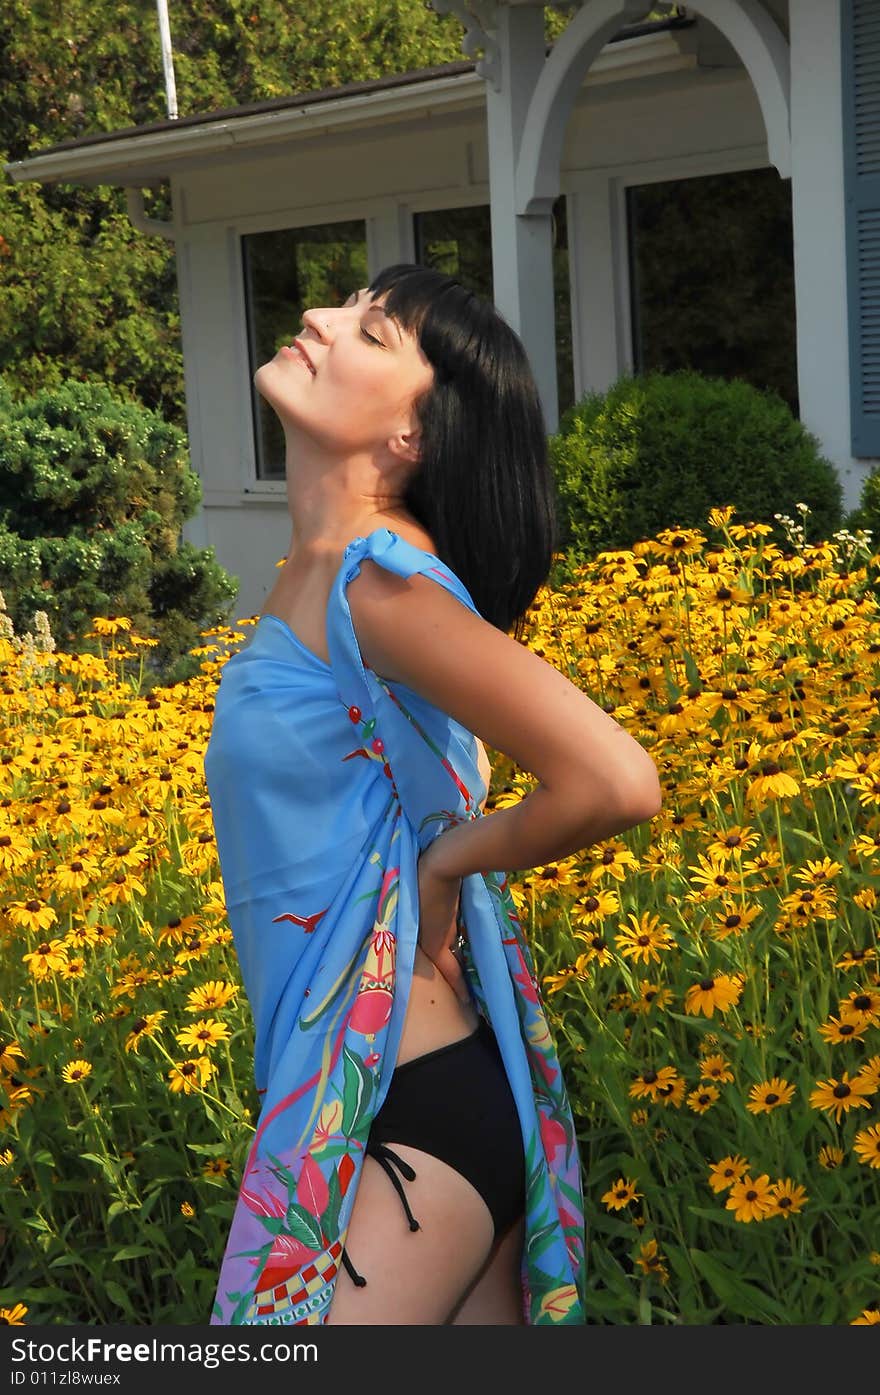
295	350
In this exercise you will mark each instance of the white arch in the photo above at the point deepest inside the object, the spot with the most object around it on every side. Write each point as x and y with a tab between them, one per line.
744	23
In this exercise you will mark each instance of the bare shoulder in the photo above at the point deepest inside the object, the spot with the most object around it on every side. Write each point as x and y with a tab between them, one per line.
415	632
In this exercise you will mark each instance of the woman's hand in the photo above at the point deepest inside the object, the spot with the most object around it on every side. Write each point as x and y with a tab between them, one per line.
438	923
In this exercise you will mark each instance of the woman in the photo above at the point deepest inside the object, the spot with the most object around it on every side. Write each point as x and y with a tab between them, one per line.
399	1027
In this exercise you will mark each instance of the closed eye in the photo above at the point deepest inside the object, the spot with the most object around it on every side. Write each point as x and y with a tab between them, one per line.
372	338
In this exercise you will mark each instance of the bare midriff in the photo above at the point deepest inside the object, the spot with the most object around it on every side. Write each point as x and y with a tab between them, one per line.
435	1015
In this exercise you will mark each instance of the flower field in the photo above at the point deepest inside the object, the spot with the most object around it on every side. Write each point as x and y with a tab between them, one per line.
711	977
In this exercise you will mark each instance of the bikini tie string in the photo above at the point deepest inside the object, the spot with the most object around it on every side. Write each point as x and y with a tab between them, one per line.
385	1156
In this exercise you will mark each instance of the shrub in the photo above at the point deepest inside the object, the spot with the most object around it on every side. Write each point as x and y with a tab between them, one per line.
660	451
93	492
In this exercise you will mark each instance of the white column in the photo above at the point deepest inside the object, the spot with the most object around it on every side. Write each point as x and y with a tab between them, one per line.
522	246
389	238
597	309
819	236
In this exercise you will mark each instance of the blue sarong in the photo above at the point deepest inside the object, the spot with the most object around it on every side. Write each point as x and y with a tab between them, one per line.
326	783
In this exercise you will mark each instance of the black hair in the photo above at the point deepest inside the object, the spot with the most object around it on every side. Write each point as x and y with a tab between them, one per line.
483	487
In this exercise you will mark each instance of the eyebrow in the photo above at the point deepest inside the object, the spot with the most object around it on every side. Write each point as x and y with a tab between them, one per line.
381	309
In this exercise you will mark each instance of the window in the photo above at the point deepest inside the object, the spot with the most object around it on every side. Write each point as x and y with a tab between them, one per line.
285	273
712	277
458	241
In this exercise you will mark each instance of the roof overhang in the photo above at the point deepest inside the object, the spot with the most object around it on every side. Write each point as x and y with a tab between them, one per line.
146	156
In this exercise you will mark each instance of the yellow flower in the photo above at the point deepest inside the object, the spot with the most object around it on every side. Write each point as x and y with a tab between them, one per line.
869	1317
769	1094
719	991
703	1098
211	996
751	1200
788	1197
837	1096
13	1317
203	1034
644	938
716	1068
48	957
650	1261
830	1157
216	1167
729	1170
191	1075
845	1029
651	1082
621	1194
863	1004
76	1071
143	1027
187	1210
867	1145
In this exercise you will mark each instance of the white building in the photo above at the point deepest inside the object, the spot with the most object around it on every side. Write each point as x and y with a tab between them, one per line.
272	200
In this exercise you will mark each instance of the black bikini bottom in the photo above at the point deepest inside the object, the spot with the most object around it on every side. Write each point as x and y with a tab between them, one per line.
456	1104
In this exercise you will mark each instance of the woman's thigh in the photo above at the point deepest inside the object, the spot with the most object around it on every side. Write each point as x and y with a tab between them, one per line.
413	1276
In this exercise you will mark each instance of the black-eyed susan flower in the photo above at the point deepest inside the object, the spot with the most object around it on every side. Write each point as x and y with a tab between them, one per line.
597	950
76	1071
716	1067
188	1210
843	1029
672	1093
650	1261
592	910
652	996
211	996
141	1027
621	1193
870	1071
788	1197
204	1034
702	1098
14	1316
11	1056
192	1075
34	914
750	1199
650	1081
732	842
639	1118
830	1156
769	1095
216	1167
723	1174
866	1145
856	958
611	859
554	983
838	1096
7	1157
868	1317
645	938
47	958
731	919
863	1004
715	991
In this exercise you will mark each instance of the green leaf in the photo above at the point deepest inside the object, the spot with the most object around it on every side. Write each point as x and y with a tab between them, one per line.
133	1252
303	1226
740	1296
356	1091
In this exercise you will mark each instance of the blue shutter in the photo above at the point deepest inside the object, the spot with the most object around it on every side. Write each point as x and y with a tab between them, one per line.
861	152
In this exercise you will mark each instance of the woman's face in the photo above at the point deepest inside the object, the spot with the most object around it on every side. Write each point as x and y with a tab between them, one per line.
353	383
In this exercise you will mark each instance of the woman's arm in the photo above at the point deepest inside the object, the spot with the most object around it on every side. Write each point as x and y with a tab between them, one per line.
594	778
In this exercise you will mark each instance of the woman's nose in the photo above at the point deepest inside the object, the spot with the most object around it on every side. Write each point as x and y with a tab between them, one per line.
320	322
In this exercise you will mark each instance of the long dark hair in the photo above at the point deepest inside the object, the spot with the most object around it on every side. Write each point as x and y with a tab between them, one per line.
483	488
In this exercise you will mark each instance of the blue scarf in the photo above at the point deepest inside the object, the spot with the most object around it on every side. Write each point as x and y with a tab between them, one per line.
326	784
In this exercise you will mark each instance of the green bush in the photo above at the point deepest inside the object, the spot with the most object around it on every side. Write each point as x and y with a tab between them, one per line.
661	450
93	493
